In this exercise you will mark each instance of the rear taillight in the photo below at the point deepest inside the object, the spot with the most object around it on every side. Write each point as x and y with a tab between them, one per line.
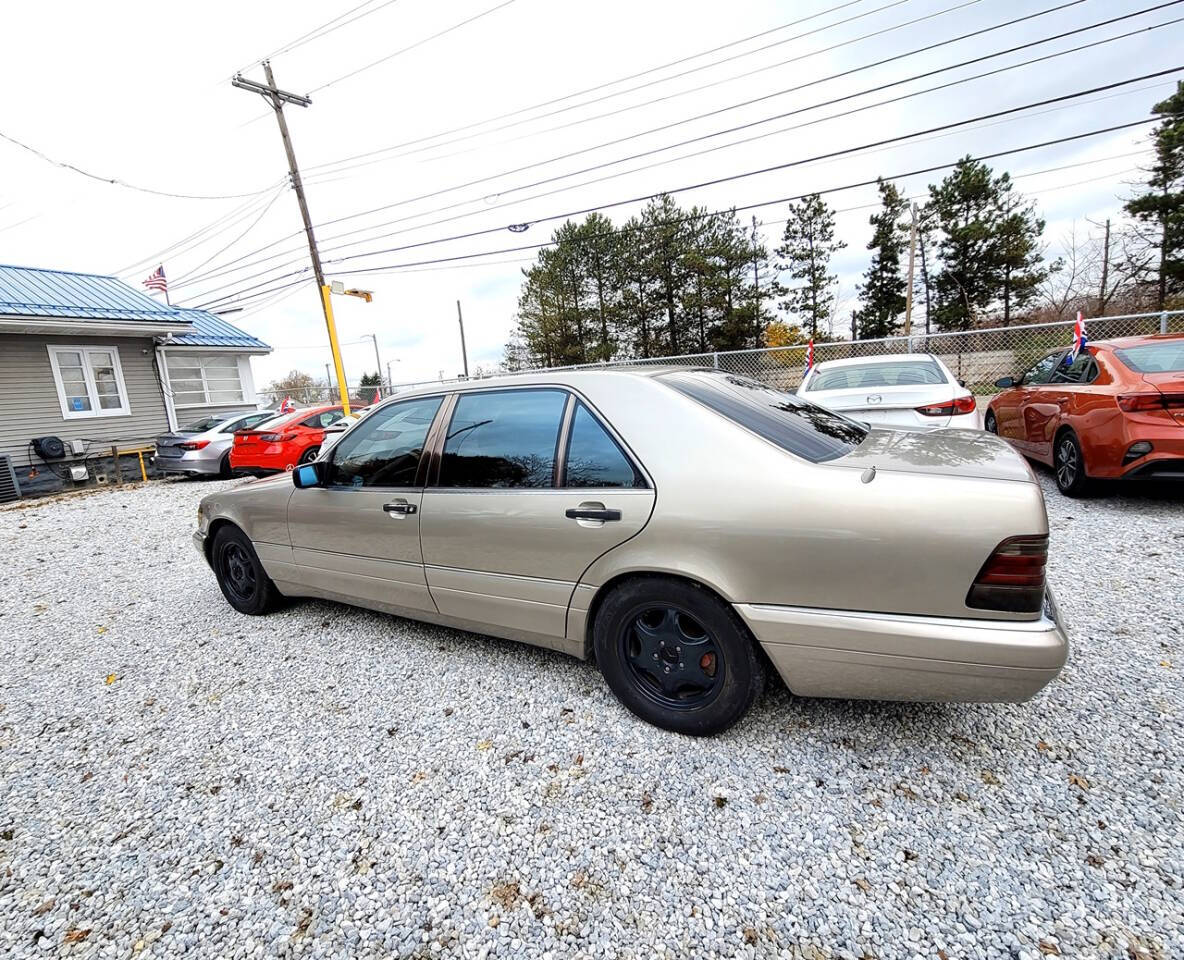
195	444
1142	402
949	408
276	437
1012	579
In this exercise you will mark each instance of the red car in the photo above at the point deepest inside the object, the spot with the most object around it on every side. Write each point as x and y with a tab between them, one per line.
282	443
1116	411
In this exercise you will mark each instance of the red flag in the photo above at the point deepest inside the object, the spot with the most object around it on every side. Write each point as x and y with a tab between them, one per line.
377	396
810	355
287	406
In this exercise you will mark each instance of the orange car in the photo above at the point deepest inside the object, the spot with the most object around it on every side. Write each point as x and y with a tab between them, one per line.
282	443
1116	411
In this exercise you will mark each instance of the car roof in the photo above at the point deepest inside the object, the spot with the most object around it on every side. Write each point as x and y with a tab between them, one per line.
1119	343
556	376
883	358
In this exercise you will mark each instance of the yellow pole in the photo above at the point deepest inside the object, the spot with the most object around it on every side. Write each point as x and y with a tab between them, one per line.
332	327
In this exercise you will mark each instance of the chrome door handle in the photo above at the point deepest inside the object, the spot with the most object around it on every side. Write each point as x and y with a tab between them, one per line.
400	508
588	513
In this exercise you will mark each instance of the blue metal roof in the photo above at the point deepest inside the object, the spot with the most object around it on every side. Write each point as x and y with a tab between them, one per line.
210	330
35	292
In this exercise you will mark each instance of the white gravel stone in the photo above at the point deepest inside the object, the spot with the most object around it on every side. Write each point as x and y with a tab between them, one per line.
328	782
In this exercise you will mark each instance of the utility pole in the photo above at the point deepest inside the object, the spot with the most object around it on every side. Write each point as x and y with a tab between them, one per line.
756	285
908	292
277	98
463	352
328	383
377	358
390	381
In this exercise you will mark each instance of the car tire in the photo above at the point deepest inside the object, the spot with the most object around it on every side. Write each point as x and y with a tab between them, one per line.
241	577
677	656
224	471
309	455
990	424
1068	465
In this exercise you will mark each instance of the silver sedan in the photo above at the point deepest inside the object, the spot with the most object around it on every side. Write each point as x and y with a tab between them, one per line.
686	528
202	447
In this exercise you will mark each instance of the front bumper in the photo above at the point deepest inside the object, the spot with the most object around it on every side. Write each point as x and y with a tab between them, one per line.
199	544
871	656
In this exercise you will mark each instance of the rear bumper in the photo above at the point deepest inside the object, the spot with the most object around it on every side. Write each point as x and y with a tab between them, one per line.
204	465
834	653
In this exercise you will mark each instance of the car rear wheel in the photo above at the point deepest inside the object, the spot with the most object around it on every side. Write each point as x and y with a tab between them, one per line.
1069	465
309	455
241	577
989	423
677	656
224	471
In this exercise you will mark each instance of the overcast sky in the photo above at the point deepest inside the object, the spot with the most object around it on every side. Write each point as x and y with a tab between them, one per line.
141	92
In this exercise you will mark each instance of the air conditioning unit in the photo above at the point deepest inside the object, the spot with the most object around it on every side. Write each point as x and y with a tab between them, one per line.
9	488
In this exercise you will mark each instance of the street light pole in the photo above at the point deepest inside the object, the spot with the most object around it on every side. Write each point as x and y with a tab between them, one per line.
463	352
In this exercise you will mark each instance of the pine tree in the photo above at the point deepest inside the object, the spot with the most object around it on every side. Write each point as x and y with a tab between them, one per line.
883	287
1159	209
1018	249
808	244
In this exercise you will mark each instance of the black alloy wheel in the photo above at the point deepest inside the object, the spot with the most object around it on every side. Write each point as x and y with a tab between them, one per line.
241	577
677	655
672	657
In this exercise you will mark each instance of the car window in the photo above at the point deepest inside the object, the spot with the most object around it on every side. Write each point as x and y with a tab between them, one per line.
247	422
1166	356
792	423
861	376
594	459
503	439
1079	370
384	450
1042	369
202	425
320	420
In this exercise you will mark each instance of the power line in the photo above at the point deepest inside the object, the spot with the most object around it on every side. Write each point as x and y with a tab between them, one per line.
253	224
753	206
776	167
224	268
123	183
418	43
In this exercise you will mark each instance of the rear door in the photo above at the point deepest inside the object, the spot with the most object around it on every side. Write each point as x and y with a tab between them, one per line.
358	535
532	487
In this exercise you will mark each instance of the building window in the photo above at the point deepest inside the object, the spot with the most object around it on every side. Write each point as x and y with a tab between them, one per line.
204	379
89	381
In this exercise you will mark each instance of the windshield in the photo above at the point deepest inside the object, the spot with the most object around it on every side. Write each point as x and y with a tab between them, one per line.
792	423
1166	356
202	425
860	376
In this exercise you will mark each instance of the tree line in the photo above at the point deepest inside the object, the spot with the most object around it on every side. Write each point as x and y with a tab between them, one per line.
672	280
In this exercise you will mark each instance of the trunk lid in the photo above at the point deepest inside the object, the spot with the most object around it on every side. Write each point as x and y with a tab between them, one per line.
169	445
1171	384
894	406
954	453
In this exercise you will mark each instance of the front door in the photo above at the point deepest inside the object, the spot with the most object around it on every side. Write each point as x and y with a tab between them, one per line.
1010	408
532	489
357	536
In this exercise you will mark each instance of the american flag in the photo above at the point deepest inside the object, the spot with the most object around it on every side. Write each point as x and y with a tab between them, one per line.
156	280
810	355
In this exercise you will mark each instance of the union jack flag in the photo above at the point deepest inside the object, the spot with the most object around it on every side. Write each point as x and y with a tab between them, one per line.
810	355
1079	340
287	406
156	280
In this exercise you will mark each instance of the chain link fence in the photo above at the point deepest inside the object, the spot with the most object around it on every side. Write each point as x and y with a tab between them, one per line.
976	357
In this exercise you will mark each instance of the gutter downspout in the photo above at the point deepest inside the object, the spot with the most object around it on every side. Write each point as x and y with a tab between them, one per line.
166	391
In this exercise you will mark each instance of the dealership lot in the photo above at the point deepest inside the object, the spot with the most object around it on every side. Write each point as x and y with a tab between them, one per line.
330	781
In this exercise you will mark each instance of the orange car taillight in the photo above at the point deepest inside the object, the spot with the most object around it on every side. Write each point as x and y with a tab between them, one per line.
277	437
1013	577
949	408
195	445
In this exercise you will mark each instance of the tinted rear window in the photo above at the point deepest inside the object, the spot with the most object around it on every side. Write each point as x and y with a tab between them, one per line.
1165	357
794	424
861	376
202	425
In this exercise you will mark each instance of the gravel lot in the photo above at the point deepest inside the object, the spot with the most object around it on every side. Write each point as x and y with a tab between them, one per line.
177	778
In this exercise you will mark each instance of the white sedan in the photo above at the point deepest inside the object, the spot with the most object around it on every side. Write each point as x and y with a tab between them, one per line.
911	390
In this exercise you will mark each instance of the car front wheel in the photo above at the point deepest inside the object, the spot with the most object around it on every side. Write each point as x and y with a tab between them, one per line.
677	656
241	577
1069	465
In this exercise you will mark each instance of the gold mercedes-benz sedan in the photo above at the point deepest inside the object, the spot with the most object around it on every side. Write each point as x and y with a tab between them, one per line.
686	528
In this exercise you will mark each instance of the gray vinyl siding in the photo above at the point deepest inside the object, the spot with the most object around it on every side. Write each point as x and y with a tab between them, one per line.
29	405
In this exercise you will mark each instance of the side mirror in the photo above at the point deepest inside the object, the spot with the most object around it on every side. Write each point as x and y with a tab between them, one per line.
962	384
1004	382
307	475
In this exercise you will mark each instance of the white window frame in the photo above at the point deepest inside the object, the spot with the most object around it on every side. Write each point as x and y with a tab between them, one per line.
198	360
84	351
